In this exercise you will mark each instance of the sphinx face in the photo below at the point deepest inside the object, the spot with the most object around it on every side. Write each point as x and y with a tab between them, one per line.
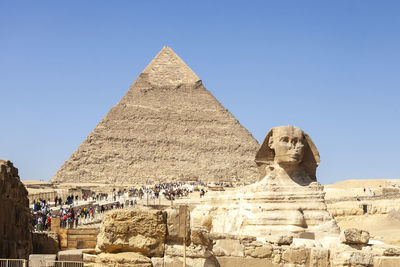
288	144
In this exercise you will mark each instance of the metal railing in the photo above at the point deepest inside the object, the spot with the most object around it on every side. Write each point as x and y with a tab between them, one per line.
46	263
13	263
64	264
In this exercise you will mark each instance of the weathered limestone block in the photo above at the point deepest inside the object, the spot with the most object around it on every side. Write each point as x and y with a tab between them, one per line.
200	236
79	238
386	261
242	238
63	237
253	244
192	251
45	243
190	262
245	262
295	255
157	262
354	236
352	258
39	260
133	230
260	252
89	258
15	216
123	259
228	247
385	250
307	235
331	242
70	255
392	251
279	239
319	257
277	258
298	242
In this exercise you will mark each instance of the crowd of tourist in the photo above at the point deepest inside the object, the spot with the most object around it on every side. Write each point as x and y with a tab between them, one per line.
41	214
72	215
170	191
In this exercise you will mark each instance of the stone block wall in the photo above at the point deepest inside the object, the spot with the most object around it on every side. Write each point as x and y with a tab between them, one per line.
45	243
82	238
150	237
15	217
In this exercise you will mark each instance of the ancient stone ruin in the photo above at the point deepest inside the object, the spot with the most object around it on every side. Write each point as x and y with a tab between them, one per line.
15	217
167	127
286	199
281	220
146	237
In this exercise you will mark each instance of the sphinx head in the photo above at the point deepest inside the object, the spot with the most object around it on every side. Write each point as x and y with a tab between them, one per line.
287	142
288	146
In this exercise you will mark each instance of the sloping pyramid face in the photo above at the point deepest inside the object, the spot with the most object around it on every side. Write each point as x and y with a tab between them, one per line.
167	127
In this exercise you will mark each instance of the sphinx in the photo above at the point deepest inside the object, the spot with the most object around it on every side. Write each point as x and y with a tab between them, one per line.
286	156
286	198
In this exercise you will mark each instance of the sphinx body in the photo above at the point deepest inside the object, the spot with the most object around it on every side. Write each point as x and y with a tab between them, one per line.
287	197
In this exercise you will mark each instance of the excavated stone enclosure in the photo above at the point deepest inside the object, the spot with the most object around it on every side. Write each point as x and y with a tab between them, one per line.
15	217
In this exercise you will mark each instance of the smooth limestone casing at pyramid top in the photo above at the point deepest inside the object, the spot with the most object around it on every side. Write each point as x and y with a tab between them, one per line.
167	127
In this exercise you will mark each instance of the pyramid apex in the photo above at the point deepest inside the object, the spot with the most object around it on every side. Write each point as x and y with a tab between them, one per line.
167	68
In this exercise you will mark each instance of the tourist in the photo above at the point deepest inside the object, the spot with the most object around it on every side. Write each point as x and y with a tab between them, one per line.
39	223
48	222
77	217
202	193
64	219
90	213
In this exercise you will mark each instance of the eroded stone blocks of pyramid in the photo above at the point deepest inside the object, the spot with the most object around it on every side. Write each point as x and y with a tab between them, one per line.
167	127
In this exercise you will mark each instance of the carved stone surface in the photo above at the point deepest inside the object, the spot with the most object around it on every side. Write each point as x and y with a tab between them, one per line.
45	243
287	198
123	259
352	258
167	127
133	230
287	156
386	261
354	236
200	236
15	217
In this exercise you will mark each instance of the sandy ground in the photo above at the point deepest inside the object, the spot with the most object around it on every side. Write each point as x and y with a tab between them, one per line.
355	187
380	227
360	183
30	182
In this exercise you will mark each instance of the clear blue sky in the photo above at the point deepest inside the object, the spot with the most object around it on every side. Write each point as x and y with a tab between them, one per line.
329	67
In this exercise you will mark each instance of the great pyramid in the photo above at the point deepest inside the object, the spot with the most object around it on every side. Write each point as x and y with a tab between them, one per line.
168	127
